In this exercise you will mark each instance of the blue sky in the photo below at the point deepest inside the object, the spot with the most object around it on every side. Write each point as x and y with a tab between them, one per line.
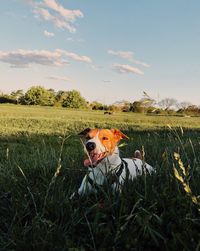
109	50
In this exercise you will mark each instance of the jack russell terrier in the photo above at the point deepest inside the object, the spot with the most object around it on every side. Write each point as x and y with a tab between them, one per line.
104	163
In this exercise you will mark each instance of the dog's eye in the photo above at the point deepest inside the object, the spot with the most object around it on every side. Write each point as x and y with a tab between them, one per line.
105	138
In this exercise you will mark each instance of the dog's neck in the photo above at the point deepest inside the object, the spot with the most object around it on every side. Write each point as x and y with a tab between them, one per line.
110	163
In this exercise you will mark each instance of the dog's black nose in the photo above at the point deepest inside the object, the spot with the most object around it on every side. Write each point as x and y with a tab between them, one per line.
90	146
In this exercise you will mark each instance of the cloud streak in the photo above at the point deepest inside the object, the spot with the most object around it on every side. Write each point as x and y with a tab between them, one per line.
25	58
48	34
74	56
52	11
124	68
59	78
122	54
128	55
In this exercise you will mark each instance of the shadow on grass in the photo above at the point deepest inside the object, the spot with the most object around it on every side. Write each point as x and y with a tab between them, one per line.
40	172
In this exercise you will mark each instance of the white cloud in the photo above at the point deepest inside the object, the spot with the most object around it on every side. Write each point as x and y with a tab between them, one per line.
75	57
49	34
129	56
24	58
59	78
122	54
52	11
79	40
121	68
67	14
141	63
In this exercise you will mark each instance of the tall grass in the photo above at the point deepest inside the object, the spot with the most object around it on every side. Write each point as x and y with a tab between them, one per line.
41	160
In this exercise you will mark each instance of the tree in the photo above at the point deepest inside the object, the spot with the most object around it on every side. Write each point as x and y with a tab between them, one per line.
183	106
59	97
38	95
18	96
192	109
145	104
95	105
137	106
167	103
74	100
52	91
7	99
122	105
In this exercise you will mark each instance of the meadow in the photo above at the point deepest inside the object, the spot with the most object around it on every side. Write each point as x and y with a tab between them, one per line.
41	165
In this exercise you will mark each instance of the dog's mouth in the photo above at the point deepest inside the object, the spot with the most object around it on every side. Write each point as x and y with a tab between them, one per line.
94	159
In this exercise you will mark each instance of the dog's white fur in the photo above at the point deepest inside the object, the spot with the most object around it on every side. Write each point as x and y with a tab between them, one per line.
109	166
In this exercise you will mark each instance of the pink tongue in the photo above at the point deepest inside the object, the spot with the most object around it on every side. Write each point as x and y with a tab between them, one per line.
92	161
86	162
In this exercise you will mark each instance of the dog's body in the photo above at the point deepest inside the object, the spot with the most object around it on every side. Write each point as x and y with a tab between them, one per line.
104	162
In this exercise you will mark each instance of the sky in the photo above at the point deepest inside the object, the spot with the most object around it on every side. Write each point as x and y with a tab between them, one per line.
109	50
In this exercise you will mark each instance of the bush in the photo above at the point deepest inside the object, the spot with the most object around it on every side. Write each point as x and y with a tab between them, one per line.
38	95
74	99
5	99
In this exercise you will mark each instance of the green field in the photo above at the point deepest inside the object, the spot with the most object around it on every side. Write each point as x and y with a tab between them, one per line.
17	119
41	158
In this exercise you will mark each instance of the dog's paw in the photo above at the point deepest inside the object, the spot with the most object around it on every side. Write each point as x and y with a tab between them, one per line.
137	154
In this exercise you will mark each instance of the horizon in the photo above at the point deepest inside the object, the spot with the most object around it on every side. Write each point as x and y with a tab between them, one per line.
109	51
156	103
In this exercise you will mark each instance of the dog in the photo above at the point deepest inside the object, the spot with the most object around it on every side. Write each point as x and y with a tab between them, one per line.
104	162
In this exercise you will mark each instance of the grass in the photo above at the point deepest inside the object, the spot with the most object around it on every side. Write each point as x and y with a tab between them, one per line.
41	160
46	120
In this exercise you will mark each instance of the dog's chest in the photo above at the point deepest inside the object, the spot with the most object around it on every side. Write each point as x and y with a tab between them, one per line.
120	168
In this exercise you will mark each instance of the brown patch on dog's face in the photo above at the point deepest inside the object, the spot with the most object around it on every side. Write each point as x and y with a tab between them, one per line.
92	133
108	138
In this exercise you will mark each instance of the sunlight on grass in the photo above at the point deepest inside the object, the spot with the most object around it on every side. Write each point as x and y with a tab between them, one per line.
183	180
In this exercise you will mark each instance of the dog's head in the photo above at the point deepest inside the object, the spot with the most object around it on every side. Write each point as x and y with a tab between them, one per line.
100	143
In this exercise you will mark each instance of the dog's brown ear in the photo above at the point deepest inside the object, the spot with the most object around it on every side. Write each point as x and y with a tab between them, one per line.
84	132
118	134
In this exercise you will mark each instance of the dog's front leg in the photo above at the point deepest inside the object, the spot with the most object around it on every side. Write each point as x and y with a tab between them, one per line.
85	187
116	187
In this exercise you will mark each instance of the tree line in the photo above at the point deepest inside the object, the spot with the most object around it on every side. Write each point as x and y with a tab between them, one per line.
38	95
